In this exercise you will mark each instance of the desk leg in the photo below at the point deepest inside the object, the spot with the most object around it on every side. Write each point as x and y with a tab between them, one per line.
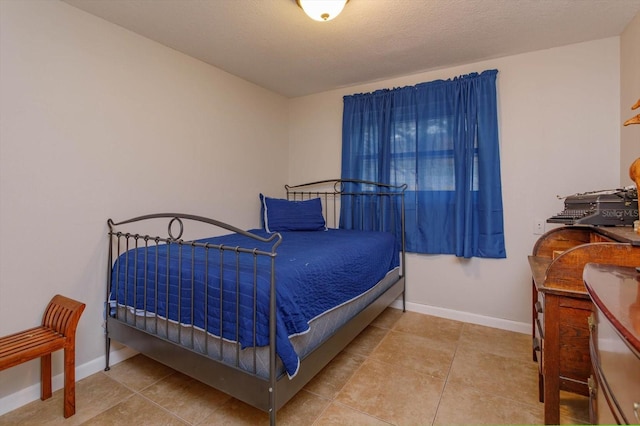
534	317
551	361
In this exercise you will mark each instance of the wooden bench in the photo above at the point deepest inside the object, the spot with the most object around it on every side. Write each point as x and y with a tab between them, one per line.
58	331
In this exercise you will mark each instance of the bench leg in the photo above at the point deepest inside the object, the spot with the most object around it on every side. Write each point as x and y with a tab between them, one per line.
69	382
45	377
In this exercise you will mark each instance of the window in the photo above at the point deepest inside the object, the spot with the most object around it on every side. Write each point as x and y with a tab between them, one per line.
441	139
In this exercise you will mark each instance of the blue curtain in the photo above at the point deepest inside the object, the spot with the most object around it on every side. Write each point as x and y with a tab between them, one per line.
441	139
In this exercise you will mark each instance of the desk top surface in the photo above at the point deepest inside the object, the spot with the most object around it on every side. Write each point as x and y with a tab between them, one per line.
623	234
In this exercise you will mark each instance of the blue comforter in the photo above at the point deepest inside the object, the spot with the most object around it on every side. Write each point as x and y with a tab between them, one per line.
315	272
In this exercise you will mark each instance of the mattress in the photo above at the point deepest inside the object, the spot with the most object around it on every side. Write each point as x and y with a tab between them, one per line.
256	360
316	273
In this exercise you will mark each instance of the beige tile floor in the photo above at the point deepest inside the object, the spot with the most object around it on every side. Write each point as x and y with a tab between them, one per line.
405	369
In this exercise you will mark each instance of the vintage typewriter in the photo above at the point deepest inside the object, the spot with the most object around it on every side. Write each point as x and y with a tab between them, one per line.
617	207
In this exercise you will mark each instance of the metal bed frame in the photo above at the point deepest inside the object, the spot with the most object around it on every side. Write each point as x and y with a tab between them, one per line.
267	394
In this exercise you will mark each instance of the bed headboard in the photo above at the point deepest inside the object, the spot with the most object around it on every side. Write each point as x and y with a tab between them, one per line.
357	204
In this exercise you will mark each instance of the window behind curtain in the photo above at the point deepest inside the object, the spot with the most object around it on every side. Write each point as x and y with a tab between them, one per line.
441	139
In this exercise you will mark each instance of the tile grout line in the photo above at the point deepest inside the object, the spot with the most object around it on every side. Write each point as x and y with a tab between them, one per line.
140	394
125	398
366	358
446	379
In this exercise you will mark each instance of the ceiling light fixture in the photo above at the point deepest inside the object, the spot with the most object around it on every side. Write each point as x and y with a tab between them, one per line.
322	10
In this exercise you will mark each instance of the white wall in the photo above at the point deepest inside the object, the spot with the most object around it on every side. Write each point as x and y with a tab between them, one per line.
559	134
629	95
95	123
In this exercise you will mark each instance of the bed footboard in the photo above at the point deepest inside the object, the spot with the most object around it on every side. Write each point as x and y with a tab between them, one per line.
160	286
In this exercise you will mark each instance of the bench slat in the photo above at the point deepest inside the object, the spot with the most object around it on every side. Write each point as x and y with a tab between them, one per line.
28	345
31	334
25	344
18	334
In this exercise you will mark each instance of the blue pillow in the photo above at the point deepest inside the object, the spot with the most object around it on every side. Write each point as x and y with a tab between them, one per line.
284	215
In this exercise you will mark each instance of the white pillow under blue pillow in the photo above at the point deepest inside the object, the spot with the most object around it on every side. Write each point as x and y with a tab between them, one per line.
284	215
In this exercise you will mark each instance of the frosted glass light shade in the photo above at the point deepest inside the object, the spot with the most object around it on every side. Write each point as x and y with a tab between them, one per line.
322	10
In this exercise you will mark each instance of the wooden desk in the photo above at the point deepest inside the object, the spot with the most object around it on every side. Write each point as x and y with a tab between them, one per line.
561	305
614	395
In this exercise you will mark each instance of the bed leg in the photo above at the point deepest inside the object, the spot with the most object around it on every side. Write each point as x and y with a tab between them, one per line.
107	343
107	340
404	303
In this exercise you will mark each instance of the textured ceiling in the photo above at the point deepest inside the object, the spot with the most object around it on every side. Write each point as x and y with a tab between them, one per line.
273	44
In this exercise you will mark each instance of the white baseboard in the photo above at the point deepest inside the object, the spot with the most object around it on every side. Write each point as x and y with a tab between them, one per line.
32	393
519	327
